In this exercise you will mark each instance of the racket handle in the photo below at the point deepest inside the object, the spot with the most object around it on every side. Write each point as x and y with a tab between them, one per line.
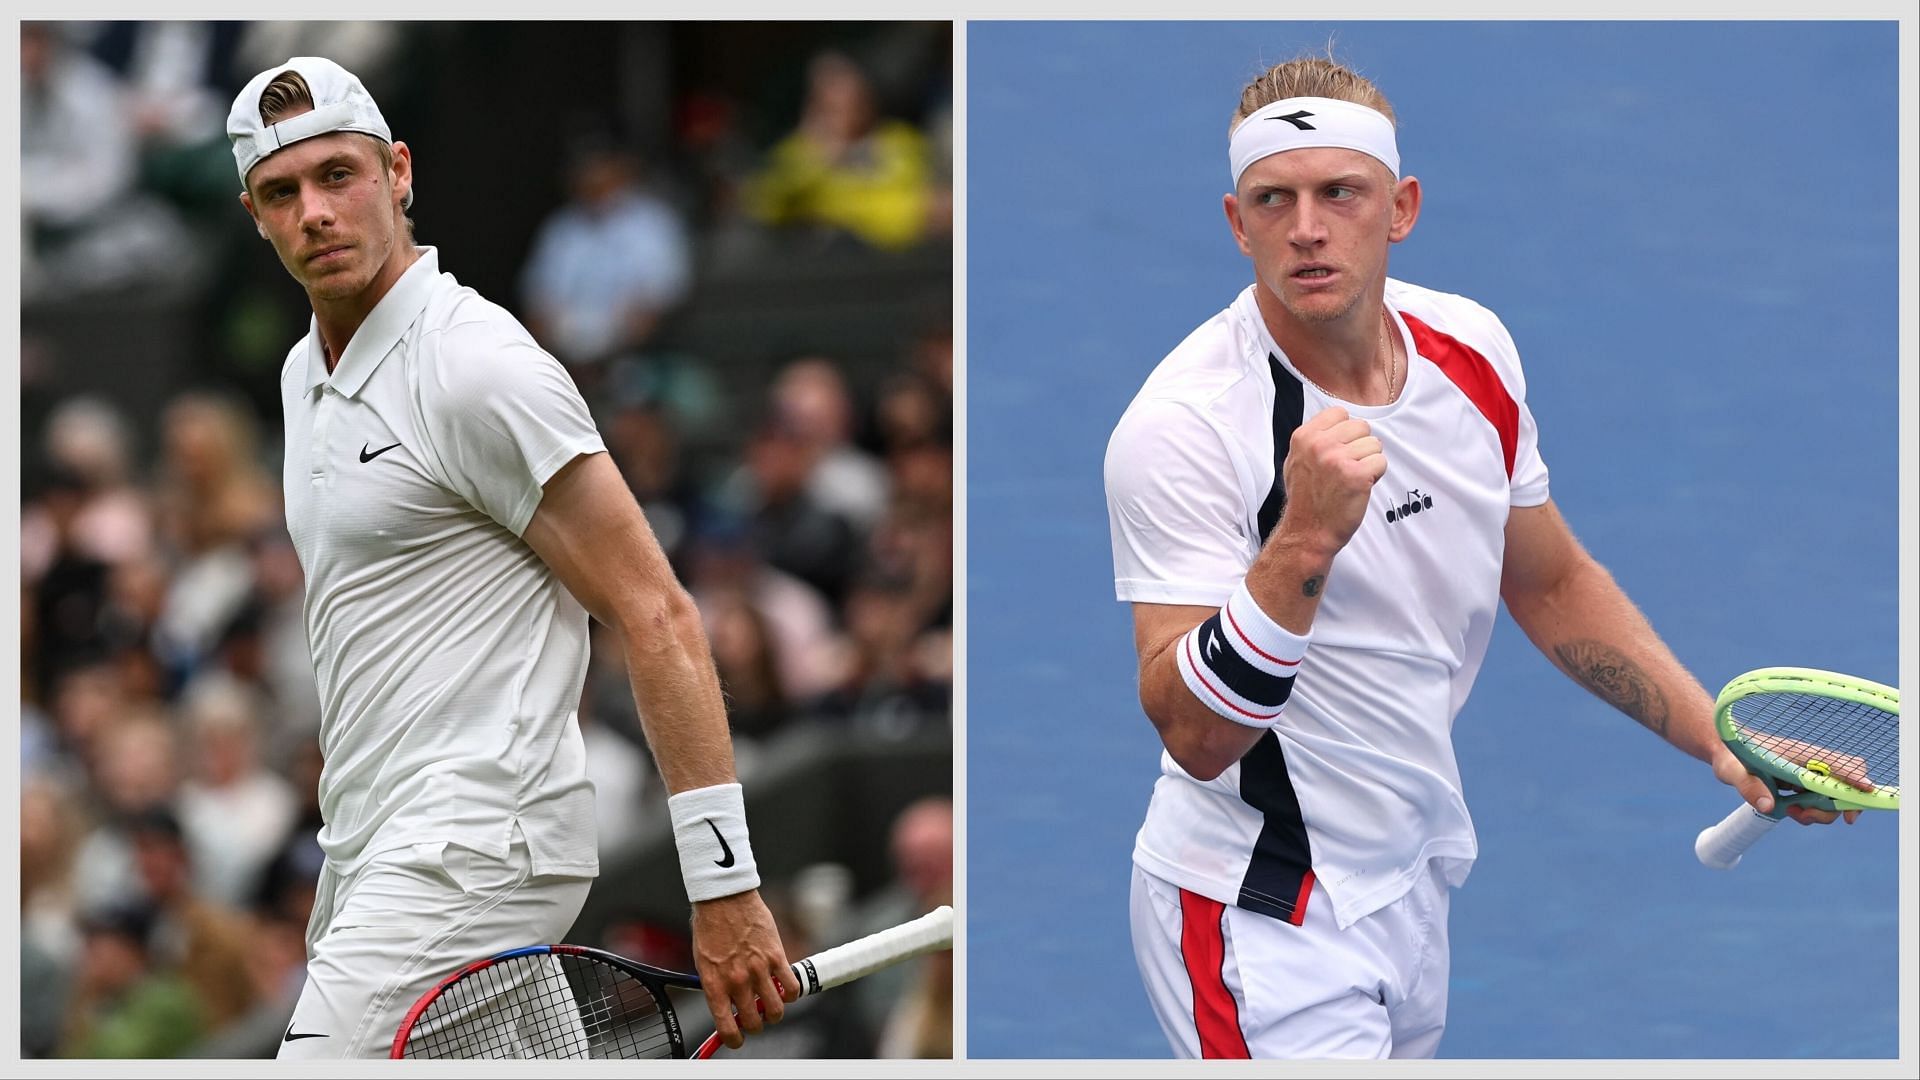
844	963
1720	846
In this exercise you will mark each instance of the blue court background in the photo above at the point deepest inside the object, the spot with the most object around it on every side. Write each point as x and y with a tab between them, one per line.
1690	229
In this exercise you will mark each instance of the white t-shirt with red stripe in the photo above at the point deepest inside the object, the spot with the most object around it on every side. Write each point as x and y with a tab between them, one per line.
1357	785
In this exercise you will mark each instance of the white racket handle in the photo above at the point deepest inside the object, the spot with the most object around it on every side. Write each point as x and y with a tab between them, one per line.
1720	846
864	956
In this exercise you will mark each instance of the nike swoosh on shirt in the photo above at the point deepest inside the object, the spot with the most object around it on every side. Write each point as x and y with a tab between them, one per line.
301	1035
366	457
726	852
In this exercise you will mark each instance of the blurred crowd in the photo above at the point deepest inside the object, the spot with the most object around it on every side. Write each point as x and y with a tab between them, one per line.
127	180
168	712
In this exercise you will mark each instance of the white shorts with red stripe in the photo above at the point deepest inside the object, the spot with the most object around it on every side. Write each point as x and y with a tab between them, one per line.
1226	982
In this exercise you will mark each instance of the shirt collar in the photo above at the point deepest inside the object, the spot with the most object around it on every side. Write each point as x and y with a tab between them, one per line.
381	331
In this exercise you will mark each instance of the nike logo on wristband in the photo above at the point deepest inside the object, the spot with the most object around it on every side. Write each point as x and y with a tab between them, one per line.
726	852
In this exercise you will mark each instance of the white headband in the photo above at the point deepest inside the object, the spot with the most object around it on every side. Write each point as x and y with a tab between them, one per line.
1296	123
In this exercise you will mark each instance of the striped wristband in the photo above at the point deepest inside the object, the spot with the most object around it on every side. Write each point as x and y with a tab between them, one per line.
710	831
1240	663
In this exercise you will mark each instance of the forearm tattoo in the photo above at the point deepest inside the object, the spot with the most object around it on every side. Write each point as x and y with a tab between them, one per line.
1311	586
1616	680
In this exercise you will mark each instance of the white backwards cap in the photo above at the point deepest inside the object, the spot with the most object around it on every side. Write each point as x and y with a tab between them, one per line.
340	103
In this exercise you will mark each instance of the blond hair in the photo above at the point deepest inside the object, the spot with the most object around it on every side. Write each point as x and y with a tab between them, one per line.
1310	76
289	95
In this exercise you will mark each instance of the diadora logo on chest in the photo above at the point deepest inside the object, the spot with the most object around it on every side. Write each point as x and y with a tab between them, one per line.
1416	501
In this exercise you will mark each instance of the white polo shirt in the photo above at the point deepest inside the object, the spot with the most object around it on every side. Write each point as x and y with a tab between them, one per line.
449	658
1357	785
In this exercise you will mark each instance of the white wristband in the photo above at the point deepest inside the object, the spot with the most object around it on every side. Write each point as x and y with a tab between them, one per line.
710	831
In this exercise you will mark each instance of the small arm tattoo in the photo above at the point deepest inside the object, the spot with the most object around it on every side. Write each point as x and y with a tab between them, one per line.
1616	680
1311	586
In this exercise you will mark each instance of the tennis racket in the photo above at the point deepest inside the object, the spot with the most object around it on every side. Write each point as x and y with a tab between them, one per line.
1821	740
570	1001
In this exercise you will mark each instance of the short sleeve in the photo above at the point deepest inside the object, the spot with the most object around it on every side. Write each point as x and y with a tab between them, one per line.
1528	484
1179	523
504	417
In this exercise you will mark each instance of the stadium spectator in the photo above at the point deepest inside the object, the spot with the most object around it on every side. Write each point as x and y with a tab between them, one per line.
214	497
608	266
89	448
888	675
921	1024
912	411
174	78
285	664
133	772
846	169
811	397
233	810
644	439
722	558
85	225
749	665
903	1001
124	1005
69	585
205	942
49	931
792	530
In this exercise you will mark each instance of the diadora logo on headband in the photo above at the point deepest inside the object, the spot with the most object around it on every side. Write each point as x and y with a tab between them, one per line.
1340	124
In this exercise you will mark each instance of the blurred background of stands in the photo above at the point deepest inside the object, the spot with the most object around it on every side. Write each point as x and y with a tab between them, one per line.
737	238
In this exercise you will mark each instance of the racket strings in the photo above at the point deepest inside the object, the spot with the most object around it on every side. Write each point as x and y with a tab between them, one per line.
1850	738
545	1006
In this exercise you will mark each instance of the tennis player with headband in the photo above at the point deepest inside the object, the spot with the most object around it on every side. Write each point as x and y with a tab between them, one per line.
458	520
1317	502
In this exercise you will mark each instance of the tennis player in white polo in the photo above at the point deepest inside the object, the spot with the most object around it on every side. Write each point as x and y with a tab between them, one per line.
1317	502
458	520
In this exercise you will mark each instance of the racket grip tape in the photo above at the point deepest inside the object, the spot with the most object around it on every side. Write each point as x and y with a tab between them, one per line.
1720	846
844	963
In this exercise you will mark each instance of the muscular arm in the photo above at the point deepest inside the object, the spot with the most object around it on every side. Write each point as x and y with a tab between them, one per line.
591	533
1332	463
1575	613
589	530
1286	579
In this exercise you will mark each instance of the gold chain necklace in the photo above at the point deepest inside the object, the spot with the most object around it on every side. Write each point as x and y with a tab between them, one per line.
1393	355
1392	365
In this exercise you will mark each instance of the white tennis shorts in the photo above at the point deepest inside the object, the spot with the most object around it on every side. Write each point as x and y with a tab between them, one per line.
385	935
1231	983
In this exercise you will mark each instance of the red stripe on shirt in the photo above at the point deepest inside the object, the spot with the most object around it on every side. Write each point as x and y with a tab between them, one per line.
1216	1016
1299	916
1202	672
1474	375
1243	637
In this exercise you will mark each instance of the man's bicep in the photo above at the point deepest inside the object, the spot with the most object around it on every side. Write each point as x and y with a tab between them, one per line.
590	532
1540	552
1155	626
1178	516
